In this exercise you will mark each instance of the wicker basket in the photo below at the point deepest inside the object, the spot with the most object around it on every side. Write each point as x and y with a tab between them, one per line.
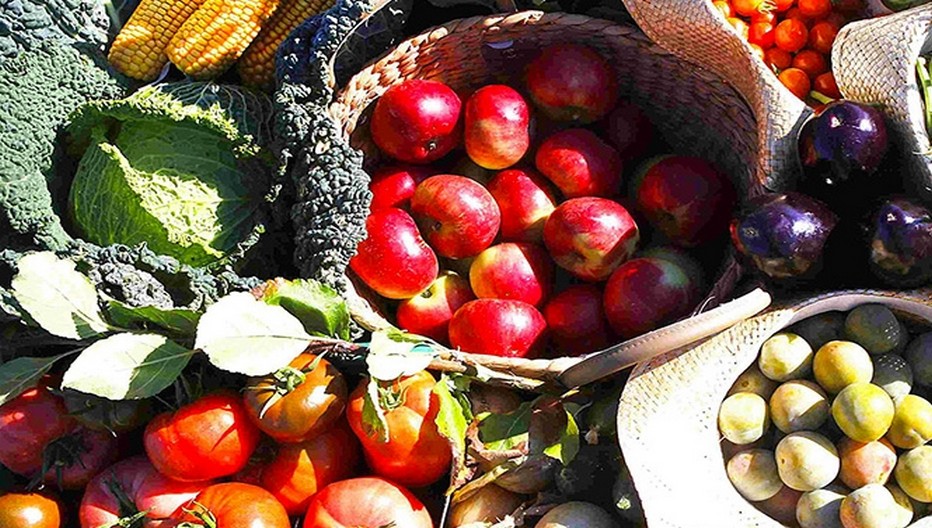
696	31
874	61
668	427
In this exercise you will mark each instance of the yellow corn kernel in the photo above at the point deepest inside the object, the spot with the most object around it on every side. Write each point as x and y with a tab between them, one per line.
138	51
217	35
257	66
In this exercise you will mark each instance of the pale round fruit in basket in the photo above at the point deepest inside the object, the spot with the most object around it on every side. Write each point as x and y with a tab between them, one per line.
753	380
866	463
743	418
893	374
490	504
799	405
912	422
753	473
919	356
838	364
782	506
904	506
914	473
876	328
820	508
871	506
785	357
863	411
576	515
822	328
807	461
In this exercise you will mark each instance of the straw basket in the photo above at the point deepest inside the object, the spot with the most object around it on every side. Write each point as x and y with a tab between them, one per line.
667	426
874	61
695	111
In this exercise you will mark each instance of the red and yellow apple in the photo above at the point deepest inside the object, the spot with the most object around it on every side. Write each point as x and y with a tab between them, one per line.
580	164
513	270
429	312
644	294
499	327
525	200
572	82
393	185
457	216
496	126
417	121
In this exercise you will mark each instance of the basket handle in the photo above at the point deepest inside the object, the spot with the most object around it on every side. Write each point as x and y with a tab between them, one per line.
668	338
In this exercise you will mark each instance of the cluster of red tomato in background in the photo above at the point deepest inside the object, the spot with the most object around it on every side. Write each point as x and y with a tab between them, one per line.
289	446
794	38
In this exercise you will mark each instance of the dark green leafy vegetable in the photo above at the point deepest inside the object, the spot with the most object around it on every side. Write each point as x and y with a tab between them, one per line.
24	24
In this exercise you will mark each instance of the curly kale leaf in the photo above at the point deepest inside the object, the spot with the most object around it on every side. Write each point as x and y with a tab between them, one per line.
38	90
24	24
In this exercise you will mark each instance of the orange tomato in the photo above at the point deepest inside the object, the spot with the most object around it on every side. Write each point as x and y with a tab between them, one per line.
795	14
825	85
761	33
797	81
822	36
747	7
811	62
740	26
778	59
790	35
724	7
780	6
764	16
814	8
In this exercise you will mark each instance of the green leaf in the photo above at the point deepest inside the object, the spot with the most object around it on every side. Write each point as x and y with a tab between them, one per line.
244	335
389	359
178	321
566	448
373	416
59	299
127	366
452	421
504	432
21	374
553	430
318	306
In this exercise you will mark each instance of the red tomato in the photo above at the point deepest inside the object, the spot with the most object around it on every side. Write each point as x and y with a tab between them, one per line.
78	457
741	27
765	16
416	454
298	471
761	33
814	8
795	14
29	510
790	35
27	424
297	403
130	487
210	438
825	85
811	62
822	36
797	81
747	7
779	6
778	59
368	502
236	505
724	7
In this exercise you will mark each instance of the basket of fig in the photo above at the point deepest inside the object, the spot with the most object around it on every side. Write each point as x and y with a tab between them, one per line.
815	413
542	194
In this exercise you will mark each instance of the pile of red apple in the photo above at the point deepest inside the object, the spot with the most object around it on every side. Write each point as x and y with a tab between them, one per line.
535	219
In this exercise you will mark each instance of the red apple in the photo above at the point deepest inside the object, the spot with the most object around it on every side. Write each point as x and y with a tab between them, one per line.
429	312
644	294
686	199
499	327
576	320
459	218
513	270
394	260
580	164
393	185
525	200
686	262
629	130
496	126
417	121
572	82
590	237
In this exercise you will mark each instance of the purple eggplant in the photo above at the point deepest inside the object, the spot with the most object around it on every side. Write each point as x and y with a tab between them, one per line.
784	235
901	243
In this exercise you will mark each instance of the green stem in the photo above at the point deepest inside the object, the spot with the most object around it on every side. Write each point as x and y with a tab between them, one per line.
925	86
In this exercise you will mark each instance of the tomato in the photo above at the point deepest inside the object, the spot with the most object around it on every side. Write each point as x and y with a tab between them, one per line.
748	7
790	35
416	454
724	7
210	438
761	33
795	14
811	62
822	36
764	16
779	6
814	8
298	471
825	85
102	414
29	510
236	505
778	59
74	459
741	27
797	81
297	403
368	502
130	487
27	424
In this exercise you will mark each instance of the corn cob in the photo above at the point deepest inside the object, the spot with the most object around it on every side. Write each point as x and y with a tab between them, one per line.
217	34
257	66
138	51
